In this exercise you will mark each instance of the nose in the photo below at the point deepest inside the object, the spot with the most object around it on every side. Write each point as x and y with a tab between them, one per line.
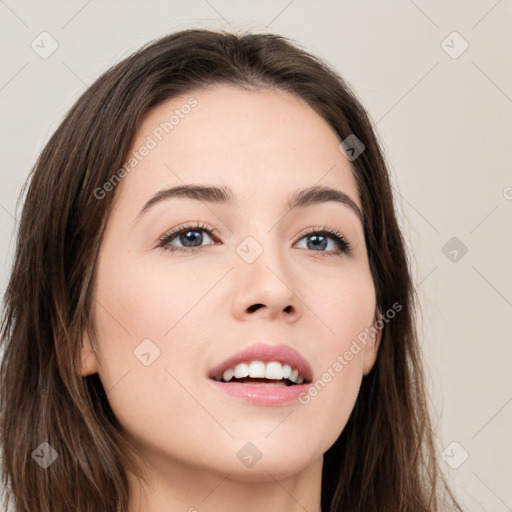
266	288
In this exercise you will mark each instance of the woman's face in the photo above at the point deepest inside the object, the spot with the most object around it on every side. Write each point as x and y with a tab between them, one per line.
165	318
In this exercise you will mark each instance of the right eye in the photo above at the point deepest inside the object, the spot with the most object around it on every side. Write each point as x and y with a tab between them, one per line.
185	234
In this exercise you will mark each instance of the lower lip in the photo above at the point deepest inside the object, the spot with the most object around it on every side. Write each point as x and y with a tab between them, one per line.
261	394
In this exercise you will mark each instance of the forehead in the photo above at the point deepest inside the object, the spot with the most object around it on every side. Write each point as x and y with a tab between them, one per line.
259	143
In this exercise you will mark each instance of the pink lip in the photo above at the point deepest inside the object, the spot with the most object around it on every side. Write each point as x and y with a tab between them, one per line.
262	394
263	352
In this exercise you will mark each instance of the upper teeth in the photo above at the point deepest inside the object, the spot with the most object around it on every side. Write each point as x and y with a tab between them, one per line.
258	369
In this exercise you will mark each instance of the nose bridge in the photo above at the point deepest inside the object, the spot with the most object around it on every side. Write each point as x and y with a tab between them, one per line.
262	276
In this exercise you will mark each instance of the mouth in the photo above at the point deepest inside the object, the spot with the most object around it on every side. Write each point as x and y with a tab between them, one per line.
263	375
272	373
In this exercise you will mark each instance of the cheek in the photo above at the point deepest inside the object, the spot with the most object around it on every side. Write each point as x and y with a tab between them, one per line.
141	310
141	300
352	312
151	331
344	303
346	309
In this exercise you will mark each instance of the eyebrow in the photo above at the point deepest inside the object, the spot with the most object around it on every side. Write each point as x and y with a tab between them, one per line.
301	198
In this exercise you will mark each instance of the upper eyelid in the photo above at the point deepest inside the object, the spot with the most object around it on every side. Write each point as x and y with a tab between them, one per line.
213	231
174	232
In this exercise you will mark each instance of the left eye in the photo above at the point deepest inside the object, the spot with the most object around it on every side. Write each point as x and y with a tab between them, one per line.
191	238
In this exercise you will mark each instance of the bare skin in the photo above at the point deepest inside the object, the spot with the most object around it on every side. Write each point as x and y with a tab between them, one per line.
194	304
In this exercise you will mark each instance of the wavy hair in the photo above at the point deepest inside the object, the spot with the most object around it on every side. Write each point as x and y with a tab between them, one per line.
385	457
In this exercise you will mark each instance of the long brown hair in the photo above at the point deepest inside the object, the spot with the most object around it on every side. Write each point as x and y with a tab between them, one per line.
385	457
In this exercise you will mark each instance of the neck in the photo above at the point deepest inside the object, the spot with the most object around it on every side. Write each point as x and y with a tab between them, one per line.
173	486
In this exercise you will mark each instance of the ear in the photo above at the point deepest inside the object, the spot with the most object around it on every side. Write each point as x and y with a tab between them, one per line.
88	358
371	351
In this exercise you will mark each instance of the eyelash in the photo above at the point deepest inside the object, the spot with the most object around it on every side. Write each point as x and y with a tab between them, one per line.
342	243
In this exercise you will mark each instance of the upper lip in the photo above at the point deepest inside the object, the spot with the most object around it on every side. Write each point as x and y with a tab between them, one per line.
266	353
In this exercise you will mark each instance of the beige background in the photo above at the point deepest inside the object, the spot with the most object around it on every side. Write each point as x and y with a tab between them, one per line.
445	118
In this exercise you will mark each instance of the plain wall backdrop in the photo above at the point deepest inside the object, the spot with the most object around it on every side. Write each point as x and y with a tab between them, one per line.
436	79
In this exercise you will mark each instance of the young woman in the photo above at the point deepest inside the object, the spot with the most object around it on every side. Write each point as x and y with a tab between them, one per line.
211	305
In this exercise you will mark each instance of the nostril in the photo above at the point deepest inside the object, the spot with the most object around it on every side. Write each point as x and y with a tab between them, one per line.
254	307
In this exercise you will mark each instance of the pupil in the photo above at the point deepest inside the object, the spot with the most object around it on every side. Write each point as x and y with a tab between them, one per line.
316	238
196	236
